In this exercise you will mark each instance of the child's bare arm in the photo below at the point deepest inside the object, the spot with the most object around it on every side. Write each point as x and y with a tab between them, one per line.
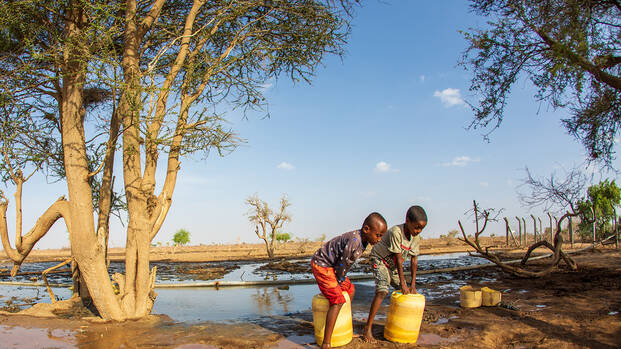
404	285
414	267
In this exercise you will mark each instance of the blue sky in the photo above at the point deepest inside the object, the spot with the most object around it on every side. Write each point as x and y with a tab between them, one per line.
379	130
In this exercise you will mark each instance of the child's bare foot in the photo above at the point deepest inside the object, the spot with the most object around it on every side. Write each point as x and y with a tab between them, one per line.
368	336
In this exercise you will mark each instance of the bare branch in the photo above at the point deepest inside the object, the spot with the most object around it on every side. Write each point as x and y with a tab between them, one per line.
520	271
58	209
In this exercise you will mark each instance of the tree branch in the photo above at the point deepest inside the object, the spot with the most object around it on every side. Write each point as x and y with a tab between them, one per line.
58	209
598	74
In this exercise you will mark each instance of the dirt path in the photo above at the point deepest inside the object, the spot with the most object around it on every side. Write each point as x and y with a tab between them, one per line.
569	309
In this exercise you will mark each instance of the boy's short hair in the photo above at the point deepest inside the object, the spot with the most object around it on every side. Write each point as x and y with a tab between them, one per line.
374	216
416	214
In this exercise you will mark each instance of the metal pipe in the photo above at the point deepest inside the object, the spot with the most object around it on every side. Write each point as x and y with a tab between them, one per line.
525	232
541	235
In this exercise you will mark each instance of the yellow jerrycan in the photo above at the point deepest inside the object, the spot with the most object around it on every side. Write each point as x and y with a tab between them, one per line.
489	297
404	317
469	297
343	330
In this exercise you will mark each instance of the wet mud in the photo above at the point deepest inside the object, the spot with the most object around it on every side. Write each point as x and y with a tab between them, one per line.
286	267
204	273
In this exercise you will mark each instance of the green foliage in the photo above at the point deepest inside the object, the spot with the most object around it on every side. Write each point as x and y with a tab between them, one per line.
181	237
283	237
234	50
568	49
321	238
603	197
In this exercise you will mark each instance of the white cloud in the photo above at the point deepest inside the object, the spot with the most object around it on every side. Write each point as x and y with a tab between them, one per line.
266	86
422	78
384	167
450	97
484	184
285	166
461	161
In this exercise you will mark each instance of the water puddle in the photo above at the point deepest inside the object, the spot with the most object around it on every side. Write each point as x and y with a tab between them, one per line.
19	337
442	320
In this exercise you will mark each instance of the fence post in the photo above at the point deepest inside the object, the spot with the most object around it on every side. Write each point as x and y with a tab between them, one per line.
594	223
525	232
534	227
551	229
541	234
614	214
506	232
571	233
519	230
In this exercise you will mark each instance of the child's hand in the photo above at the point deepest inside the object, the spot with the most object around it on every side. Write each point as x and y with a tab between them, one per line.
405	289
413	290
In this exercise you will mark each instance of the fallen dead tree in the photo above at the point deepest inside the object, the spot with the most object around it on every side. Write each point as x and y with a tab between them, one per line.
520	270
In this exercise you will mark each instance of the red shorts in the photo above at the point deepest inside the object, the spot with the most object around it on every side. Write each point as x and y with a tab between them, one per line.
329	287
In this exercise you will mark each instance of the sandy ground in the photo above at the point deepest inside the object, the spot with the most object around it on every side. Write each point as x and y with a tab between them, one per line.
569	309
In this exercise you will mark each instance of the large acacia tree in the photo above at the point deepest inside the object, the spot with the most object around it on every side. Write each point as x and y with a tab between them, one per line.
569	49
82	81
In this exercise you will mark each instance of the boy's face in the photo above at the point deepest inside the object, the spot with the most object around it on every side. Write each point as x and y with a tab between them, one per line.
415	227
373	232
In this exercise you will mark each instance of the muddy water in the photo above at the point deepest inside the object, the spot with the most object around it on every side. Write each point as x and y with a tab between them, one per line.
14	337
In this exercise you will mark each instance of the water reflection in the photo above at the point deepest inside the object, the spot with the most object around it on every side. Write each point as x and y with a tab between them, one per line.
266	298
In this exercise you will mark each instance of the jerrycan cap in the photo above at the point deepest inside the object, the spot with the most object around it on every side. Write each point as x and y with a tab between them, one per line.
399	294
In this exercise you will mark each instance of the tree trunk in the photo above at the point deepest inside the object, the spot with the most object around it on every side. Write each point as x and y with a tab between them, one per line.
270	251
137	288
84	247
